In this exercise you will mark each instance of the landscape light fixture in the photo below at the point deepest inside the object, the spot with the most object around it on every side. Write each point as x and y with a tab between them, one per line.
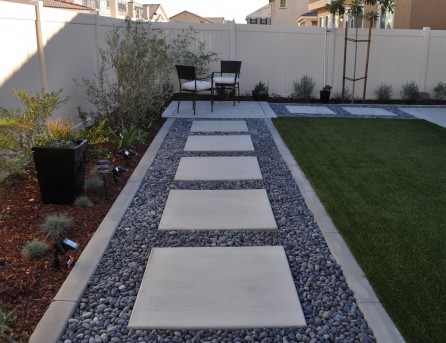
2	264
128	155
62	247
117	171
104	170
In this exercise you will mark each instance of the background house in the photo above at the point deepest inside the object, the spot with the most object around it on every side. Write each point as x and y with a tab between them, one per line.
409	14
65	5
286	12
155	13
189	17
262	16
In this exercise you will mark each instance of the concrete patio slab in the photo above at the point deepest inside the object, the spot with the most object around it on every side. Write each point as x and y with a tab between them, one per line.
218	168
222	109
244	209
219	143
211	288
434	115
309	109
219	126
368	111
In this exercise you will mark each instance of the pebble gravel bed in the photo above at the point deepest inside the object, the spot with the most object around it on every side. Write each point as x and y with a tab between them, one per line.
281	110
328	304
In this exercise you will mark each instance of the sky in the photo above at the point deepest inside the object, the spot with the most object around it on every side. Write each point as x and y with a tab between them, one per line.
229	9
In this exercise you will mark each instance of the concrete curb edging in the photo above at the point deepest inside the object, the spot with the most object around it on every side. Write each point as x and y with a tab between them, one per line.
379	321
54	321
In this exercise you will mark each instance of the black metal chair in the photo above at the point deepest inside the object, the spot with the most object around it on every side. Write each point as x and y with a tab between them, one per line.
190	84
227	78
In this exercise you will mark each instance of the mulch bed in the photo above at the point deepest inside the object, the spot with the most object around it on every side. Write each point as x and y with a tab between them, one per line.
28	286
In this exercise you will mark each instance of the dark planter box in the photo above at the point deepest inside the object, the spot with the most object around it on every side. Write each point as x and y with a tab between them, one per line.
60	172
325	96
260	96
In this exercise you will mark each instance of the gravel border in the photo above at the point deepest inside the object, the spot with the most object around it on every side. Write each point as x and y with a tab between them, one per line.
329	306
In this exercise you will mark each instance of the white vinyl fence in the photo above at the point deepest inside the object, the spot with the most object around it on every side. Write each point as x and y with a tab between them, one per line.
47	48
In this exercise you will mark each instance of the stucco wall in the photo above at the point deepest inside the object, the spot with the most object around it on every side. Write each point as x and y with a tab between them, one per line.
288	16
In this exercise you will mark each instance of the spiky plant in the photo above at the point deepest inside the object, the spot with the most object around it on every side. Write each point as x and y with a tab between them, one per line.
35	249
82	201
93	183
383	92
55	226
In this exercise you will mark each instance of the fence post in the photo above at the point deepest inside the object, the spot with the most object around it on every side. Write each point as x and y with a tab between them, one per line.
40	48
424	58
232	52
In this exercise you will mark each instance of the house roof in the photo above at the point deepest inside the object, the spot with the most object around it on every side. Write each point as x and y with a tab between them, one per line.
198	18
216	20
58	4
309	14
152	9
262	12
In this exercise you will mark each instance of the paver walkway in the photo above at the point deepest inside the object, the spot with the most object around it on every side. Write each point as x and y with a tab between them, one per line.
226	280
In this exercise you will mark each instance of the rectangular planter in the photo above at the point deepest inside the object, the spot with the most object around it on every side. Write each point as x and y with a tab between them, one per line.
60	172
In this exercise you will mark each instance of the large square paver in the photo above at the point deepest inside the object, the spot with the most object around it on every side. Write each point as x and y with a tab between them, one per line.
219	126
309	109
211	288
219	143
218	168
368	111
244	209
434	115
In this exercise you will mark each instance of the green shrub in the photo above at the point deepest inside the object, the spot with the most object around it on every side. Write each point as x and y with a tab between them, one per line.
409	91
93	183
440	91
82	201
19	129
55	226
129	136
304	88
383	92
6	317
347	95
35	249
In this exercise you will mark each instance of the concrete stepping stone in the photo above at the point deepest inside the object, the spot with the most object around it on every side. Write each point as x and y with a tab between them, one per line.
219	143
309	109
218	168
219	126
217	288
243	209
368	111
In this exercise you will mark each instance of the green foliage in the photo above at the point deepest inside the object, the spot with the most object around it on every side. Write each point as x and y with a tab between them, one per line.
261	88
383	92
35	249
326	88
409	91
95	153
304	88
6	317
183	52
93	183
55	226
440	91
129	136
82	201
347	95
19	129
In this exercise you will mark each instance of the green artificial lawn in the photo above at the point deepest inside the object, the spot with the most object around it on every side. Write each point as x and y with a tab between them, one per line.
384	184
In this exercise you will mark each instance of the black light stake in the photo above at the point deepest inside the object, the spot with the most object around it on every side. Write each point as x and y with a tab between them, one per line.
104	170
128	155
117	171
62	247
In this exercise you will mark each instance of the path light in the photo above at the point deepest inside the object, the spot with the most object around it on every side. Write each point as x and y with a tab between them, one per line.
128	155
2	264
62	247
117	171
104	170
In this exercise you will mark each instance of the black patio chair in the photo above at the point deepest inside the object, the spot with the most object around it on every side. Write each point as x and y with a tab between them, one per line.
227	78
189	83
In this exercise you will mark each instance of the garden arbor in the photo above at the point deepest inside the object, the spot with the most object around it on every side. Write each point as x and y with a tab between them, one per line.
359	9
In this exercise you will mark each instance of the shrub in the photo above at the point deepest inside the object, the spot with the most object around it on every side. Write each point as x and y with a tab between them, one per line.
82	201
129	136
383	92
62	130
409	91
347	95
55	226
440	91
304	88
6	317
93	183
19	129
35	249
261	88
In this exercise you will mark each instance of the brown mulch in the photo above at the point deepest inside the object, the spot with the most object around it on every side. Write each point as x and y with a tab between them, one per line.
28	286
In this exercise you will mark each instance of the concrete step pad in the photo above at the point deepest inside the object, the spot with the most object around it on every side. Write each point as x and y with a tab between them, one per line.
218	168
219	126
217	288
368	111
309	109
219	143
245	209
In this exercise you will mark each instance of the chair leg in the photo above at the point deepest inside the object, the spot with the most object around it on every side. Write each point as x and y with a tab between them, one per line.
238	89
179	98
212	99
193	103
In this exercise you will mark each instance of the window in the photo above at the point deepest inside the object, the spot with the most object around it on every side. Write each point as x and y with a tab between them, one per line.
263	21
385	19
282	3
253	20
